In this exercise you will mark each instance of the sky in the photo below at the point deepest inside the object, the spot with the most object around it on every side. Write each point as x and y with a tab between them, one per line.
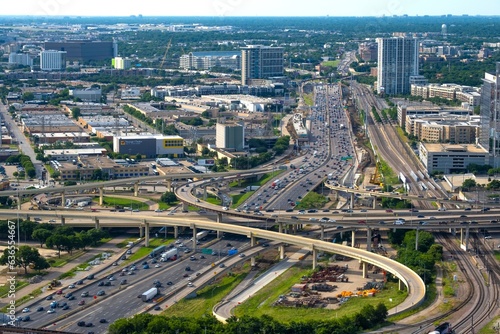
250	7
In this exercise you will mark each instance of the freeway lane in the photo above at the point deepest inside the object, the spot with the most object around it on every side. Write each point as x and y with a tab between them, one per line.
413	282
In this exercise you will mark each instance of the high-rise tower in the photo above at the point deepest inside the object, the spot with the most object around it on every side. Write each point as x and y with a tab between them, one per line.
397	61
489	137
260	62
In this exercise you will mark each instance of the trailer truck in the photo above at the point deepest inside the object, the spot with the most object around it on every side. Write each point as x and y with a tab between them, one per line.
252	188
157	251
171	254
150	294
201	235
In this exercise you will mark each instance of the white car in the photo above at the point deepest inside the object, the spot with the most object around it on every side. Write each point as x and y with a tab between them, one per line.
157	265
26	310
399	222
225	208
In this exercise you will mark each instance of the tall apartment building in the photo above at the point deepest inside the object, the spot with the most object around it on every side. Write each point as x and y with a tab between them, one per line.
52	60
260	62
205	60
230	136
489	136
20	59
397	62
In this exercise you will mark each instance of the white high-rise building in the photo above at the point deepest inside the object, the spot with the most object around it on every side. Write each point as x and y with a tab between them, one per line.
121	63
20	59
397	62
489	137
230	136
52	60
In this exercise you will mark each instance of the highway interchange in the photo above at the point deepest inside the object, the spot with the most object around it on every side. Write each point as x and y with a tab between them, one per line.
272	203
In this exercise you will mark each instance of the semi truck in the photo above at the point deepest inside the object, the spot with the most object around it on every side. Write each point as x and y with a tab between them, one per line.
171	254
276	184
201	235
150	294
157	251
252	188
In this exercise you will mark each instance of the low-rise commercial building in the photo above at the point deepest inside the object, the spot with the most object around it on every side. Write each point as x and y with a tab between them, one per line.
149	146
448	158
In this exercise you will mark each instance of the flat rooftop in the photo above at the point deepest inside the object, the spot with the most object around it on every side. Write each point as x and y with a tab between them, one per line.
471	148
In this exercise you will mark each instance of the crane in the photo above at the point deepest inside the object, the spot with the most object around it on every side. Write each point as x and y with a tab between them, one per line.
165	55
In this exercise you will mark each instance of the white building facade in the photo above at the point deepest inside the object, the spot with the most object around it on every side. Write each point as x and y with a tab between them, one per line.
52	60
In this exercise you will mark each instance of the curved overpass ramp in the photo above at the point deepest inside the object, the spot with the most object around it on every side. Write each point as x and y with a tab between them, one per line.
413	282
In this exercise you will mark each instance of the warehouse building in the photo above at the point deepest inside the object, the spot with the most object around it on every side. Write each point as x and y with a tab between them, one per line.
149	146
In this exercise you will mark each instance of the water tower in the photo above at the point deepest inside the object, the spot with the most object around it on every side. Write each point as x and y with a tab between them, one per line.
444	29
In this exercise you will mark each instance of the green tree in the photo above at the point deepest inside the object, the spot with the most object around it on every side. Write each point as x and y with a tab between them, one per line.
57	241
40	264
41	235
168	197
76	112
469	184
24	256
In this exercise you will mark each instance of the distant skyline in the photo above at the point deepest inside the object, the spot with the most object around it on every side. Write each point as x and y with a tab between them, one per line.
250	8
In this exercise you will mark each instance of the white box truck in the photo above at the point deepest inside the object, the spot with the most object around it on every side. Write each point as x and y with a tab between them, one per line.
148	295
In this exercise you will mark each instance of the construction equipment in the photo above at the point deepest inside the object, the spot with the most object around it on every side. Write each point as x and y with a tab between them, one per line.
166	52
54	283
376	178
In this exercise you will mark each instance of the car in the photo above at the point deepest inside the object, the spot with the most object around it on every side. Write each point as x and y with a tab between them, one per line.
389	211
312	219
242	255
111	278
420	216
188	268
103	321
84	294
68	295
91	276
493	221
488	237
463	216
473	222
26	310
81	323
423	223
50	311
158	210
71	286
222	265
362	222
71	298
443	223
65	307
81	302
101	283
59	292
202	256
364	210
399	222
382	222
169	283
39	309
123	282
467	209
131	273
108	283
49	297
157	265
80	282
26	318
464	223
89	324
190	284
101	293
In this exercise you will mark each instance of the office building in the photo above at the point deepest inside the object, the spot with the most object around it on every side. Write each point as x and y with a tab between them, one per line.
451	158
52	60
230	136
87	94
85	50
260	62
368	51
20	59
205	60
121	63
489	137
149	145
397	62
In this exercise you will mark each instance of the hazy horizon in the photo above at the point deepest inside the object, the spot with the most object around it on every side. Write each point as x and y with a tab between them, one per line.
254	8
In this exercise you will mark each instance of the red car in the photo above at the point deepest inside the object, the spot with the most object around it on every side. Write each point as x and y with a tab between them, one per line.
362	222
388	211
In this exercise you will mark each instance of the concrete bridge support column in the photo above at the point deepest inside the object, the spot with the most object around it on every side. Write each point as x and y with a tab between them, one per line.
452	230
146	230
466	241
176	232
322	233
63	220
365	269
352	201
141	231
400	285
63	199
96	221
101	195
205	193
369	239
374	204
136	189
252	244
19	202
194	237
315	258
353	238
280	227
282	252
219	220
416	239
184	206
169	185
461	236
